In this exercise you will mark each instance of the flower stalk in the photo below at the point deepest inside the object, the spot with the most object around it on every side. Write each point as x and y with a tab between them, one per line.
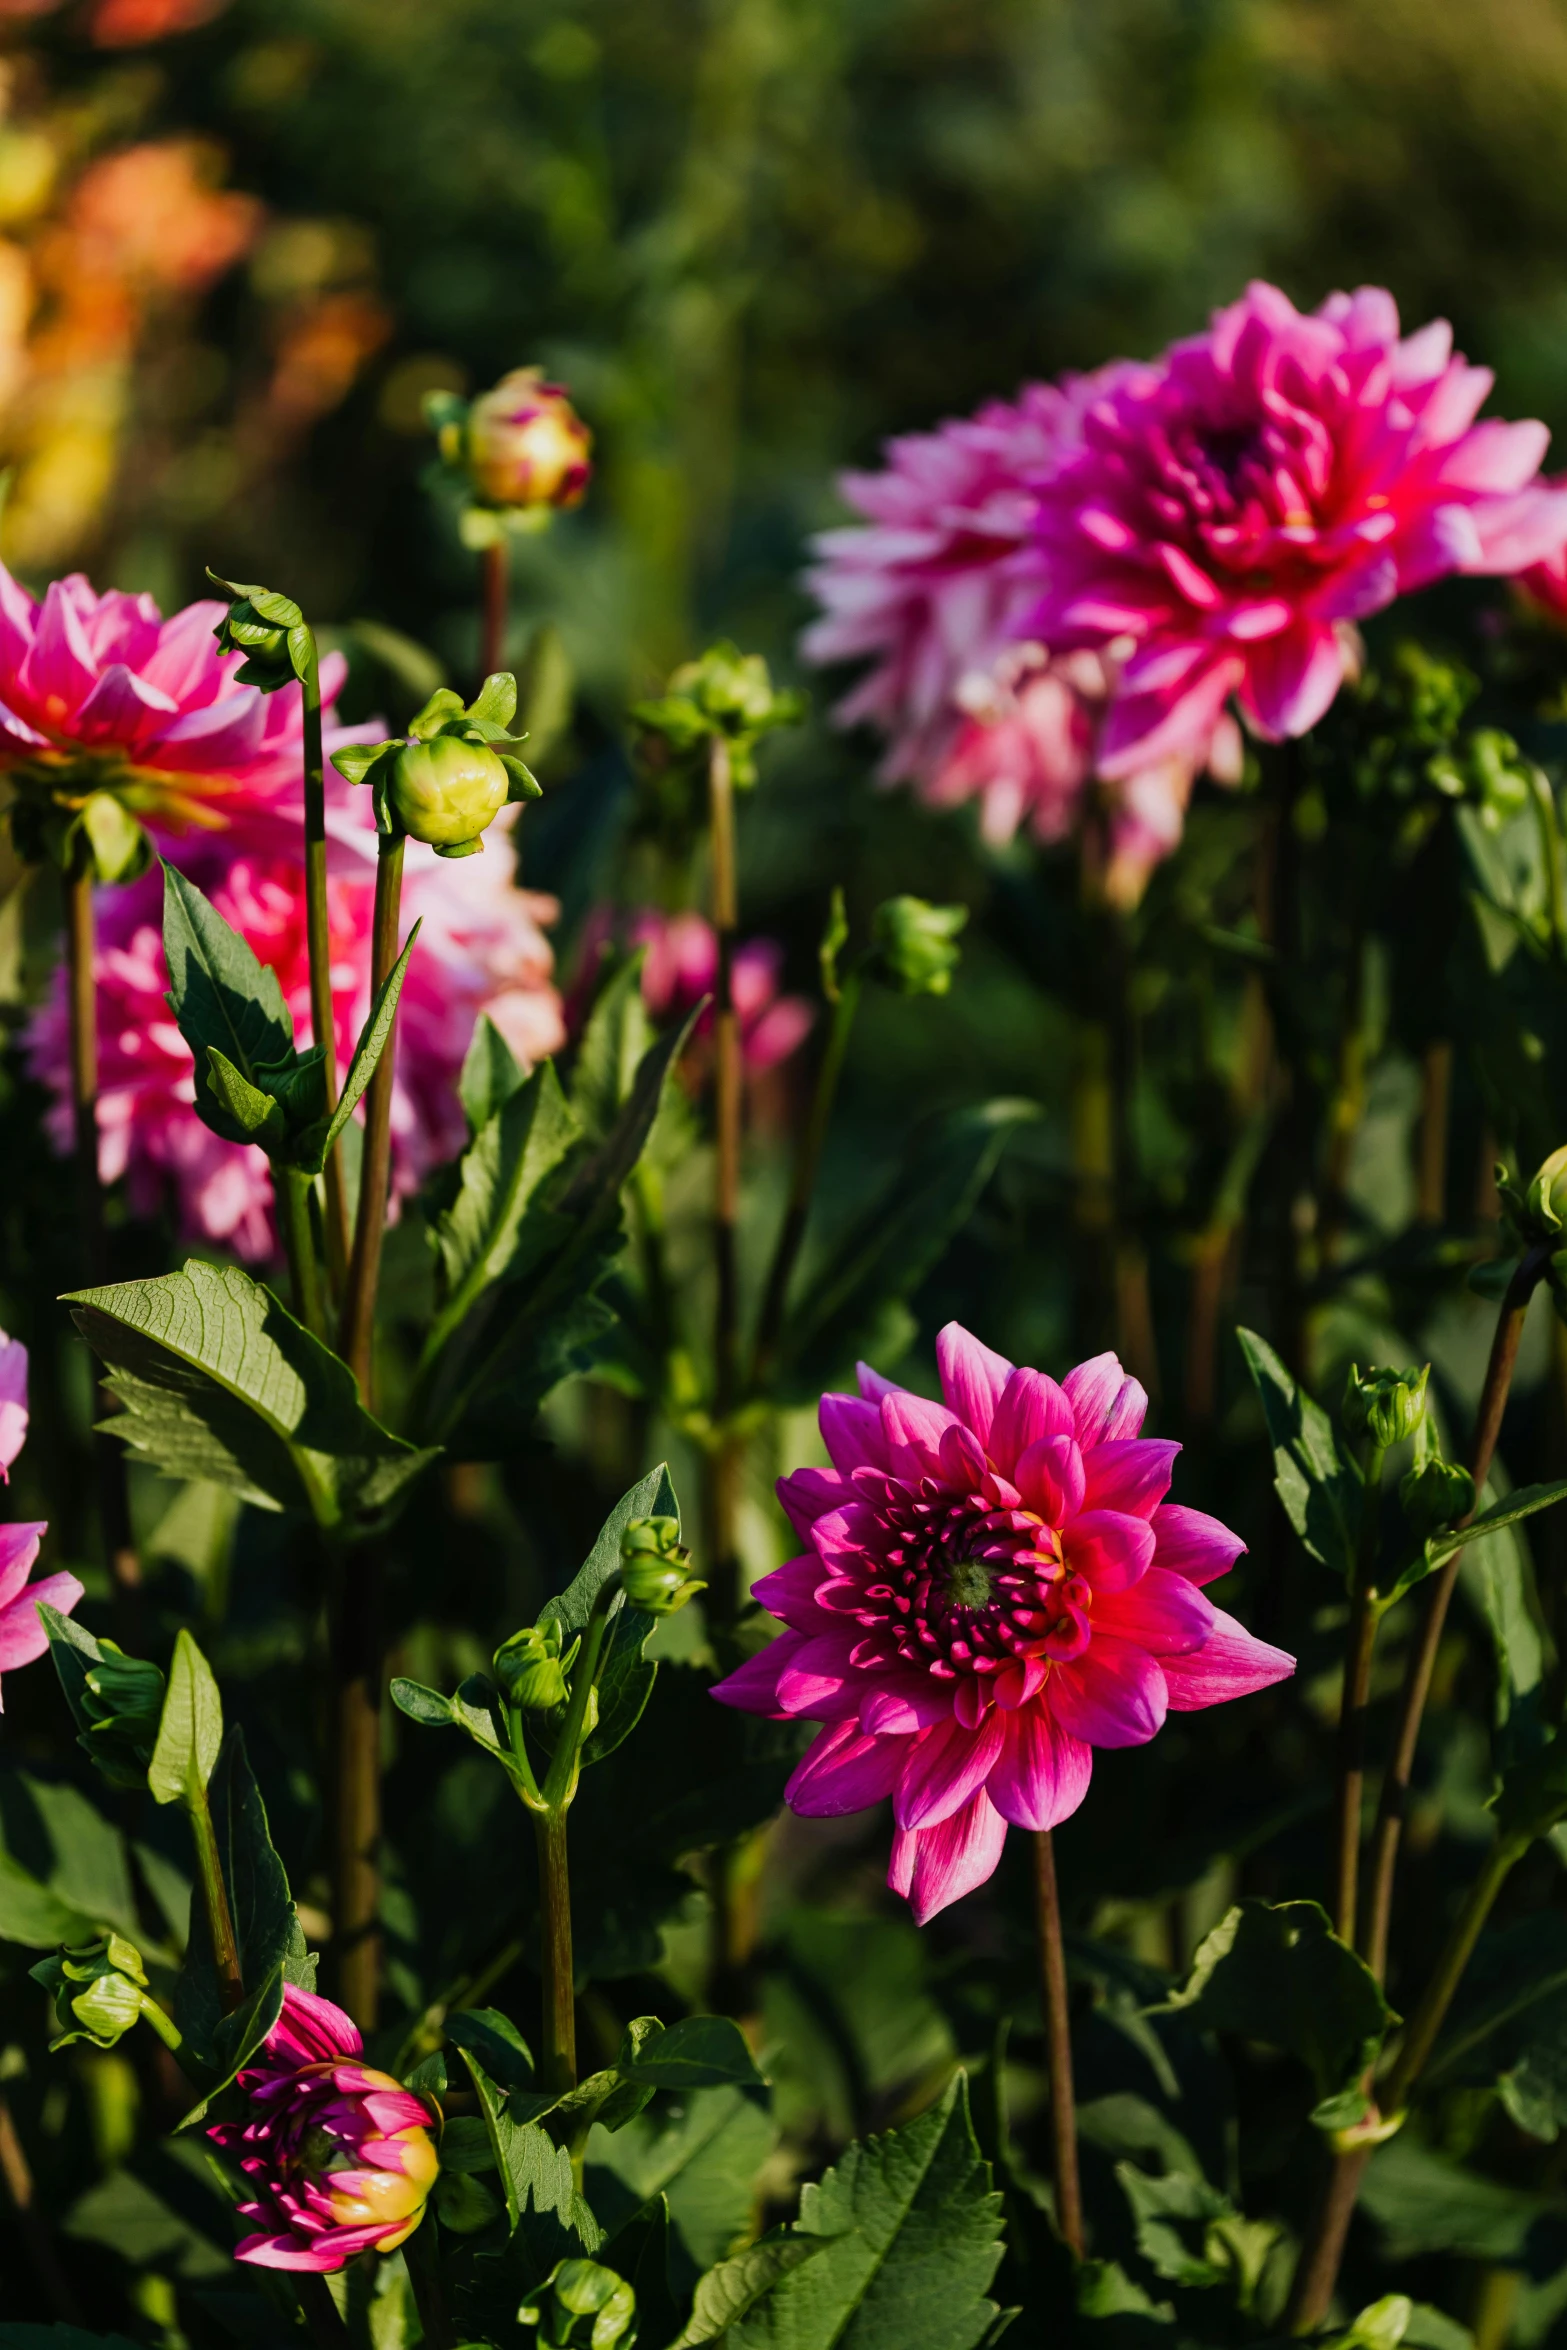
1058	2043
1364	1615
364	1270
291	1188
318	933
724	1464
215	1898
494	583
356	1877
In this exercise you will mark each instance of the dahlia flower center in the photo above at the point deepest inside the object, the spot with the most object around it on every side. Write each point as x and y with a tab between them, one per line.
960	1585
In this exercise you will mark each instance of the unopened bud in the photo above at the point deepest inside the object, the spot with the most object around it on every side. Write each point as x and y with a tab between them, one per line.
917	944
1385	1406
582	2307
447	791
1545	1201
655	1566
269	629
532	1670
522	445
100	1991
1437	1494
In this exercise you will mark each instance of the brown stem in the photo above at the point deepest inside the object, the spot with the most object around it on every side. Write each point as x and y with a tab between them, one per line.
32	2225
724	1477
1317	2274
1358	1649
323	1025
1436	1093
1058	2038
1422	1655
364	1270
114	1510
560	2005
494	567
356	1896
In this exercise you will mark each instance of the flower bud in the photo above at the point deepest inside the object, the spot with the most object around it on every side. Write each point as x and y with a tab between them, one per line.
531	1669
269	630
655	1566
1385	1406
725	694
447	791
1436	1494
522	445
917	944
1545	1201
582	2307
100	1991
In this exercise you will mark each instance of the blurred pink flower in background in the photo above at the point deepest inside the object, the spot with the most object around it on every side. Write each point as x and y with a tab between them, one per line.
1545	583
992	1586
22	1636
482	948
1231	511
680	967
13	1401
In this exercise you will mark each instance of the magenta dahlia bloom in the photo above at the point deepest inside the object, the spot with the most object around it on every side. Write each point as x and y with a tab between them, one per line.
22	1636
339	2157
992	1587
100	692
1232	509
680	967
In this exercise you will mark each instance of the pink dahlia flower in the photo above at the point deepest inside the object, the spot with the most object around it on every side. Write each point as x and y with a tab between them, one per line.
680	967
1545	583
1233	509
339	2158
22	1636
992	1587
101	692
482	949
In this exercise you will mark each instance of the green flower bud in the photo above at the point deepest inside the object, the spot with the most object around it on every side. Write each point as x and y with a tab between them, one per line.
447	791
1545	1201
917	944
270	631
727	694
582	2307
655	1566
1437	1494
531	1669
1384	1406
100	1991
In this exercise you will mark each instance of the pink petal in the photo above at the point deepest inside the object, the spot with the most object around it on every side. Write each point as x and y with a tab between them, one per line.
1031	1408
1292	679
790	1591
1130	1473
323	2257
1106	1402
852	1432
905	1701
1050	1478
753	1686
1163	1613
22	1635
942	1769
1111	1548
1231	1663
122	708
872	1384
933	1867
61	672
844	1769
1192	1544
13	1405
818	1679
1113	1695
972	1377
18	1549
808	1494
1043	1773
914	1428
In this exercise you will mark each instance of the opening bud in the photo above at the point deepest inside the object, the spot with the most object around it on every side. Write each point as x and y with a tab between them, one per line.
1384	1406
523	444
582	2307
1436	1494
100	1991
270	631
531	1669
655	1566
917	949
725	693
446	792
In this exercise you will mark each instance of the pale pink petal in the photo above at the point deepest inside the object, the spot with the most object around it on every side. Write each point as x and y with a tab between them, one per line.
933	1867
1292	679
1112	1695
13	1404
1112	1549
1130	1473
1231	1663
1106	1401
972	1377
22	1635
872	1384
1031	1408
1042	1774
942	1768
1193	1544
18	1549
844	1770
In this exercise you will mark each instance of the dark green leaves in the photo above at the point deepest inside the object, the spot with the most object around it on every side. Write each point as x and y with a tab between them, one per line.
702	2052
626	1677
1281	1976
267	1933
1318	1484
224	1000
270	630
219	1381
190	1731
115	1700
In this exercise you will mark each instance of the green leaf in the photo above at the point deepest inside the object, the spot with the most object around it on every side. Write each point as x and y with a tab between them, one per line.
703	2153
728	2291
895	1243
218	1380
700	2052
613	1045
498	1228
495	2040
495	703
1160	2208
191	1730
114	1699
1507	2028
358	761
534	2171
490	1076
34	1916
1281	1975
1318	1485
475	1708
1523	1503
236	2040
1423	2202
912	2241
17	2334
315	1147
267	1931
250	1114
220	995
626	1676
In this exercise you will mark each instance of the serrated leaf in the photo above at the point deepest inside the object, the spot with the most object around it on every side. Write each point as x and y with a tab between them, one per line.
913	2239
895	1243
726	2292
1319	1487
190	1732
315	1148
491	1074
626	1676
495	2040
1524	1502
612	1047
499	1228
221	995
1279	1974
534	2170
699	2052
218	1380
267	1933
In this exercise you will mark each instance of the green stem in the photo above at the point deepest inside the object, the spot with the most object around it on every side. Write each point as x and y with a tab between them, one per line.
318	933
163	2024
1551	853
291	1191
214	1893
1058	2040
1364	1614
560	2008
724	1462
494	570
364	1269
1447	1974
802	1182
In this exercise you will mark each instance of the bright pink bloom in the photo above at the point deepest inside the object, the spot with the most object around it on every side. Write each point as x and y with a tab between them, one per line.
993	1586
482	948
13	1401
1233	509
680	967
152	706
22	1636
1545	583
339	2157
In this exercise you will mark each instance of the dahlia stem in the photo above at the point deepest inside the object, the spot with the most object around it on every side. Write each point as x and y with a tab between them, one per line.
724	1462
364	1268
802	1181
556	1964
356	1886
114	1510
1436	1091
1364	1615
1058	2041
323	1025
291	1191
494	571
214	1894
